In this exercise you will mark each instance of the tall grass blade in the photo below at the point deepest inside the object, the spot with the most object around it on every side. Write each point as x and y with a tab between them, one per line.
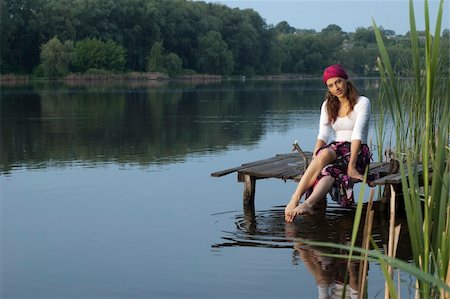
376	254
415	50
387	65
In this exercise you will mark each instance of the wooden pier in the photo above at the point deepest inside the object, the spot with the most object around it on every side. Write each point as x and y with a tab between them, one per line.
291	166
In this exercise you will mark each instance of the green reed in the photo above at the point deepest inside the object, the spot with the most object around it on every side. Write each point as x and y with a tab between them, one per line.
418	104
420	110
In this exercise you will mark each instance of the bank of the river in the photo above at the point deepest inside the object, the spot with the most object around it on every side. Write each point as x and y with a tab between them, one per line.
148	76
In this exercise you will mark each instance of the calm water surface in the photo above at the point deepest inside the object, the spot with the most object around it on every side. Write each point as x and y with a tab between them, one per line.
106	193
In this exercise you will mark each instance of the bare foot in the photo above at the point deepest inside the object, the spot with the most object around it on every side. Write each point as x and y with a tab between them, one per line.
288	216
354	174
301	209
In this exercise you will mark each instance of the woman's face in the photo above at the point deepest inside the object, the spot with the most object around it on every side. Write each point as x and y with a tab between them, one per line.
337	86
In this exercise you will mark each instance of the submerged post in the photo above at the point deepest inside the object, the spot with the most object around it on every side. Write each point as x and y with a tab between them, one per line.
249	192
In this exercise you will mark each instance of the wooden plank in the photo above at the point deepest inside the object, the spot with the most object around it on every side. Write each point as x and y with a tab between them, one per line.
378	166
290	166
291	161
225	172
396	178
289	174
290	171
278	157
272	170
277	167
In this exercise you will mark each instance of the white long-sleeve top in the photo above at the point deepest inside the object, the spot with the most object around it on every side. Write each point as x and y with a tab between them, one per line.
353	126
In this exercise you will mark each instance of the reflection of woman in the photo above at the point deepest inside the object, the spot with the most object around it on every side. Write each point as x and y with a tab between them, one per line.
345	115
327	272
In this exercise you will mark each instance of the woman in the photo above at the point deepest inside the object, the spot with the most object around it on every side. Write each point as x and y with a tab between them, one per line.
335	165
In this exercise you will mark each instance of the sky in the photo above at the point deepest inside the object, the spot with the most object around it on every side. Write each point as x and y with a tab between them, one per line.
349	14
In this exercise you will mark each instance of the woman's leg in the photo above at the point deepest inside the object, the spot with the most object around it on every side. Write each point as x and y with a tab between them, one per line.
325	157
320	191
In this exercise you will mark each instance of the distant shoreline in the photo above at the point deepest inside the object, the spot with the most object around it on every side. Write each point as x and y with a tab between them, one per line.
155	78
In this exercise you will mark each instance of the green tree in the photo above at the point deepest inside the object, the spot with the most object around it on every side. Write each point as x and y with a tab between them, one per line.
213	56
136	25
360	60
305	53
242	33
271	54
173	64
20	35
94	53
364	36
333	37
156	58
115	56
284	28
56	57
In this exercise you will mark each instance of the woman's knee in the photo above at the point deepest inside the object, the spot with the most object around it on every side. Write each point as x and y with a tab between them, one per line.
326	156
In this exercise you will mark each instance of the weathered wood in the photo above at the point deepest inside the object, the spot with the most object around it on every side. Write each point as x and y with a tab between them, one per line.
305	159
394	168
284	166
249	192
396	178
278	157
291	167
225	172
276	169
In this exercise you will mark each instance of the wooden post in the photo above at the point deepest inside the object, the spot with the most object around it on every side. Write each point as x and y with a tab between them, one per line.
249	192
394	167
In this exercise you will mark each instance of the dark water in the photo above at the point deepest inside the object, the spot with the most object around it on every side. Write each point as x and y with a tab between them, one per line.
106	193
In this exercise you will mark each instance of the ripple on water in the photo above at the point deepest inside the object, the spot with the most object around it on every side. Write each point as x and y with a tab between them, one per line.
267	228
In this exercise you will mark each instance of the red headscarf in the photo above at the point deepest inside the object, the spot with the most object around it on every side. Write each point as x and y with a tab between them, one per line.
334	70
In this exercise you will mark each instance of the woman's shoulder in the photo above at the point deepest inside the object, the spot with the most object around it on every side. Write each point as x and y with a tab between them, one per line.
362	101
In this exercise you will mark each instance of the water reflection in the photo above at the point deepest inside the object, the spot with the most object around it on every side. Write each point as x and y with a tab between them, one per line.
268	228
44	123
334	277
334	224
89	131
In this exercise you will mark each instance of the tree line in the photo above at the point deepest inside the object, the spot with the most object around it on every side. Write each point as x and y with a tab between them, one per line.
55	37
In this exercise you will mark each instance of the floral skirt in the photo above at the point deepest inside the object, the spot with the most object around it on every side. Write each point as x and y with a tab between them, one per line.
342	190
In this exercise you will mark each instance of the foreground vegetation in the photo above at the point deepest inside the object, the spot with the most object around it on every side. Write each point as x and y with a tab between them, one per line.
55	37
419	108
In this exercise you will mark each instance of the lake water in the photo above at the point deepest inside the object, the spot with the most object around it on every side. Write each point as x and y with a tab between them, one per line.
106	193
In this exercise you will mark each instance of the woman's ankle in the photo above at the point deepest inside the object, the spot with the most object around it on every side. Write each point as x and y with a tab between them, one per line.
309	204
316	204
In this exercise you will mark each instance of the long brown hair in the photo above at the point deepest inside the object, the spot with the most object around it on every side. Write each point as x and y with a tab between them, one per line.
333	101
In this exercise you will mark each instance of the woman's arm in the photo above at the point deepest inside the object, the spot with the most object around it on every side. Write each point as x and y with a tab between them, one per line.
363	112
319	144
324	128
360	131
